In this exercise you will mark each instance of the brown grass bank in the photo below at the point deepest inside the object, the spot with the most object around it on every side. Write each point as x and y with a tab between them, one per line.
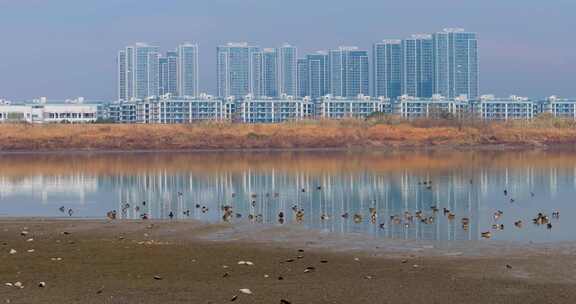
347	134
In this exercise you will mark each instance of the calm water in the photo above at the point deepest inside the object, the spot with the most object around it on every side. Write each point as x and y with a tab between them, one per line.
469	184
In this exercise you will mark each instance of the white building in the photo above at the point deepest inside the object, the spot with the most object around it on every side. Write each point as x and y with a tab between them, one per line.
340	107
560	107
41	111
274	110
435	107
511	108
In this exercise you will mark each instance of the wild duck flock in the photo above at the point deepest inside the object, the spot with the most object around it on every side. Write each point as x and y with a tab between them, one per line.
405	219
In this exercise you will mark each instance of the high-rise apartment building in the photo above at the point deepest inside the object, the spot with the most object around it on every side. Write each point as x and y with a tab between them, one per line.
287	70
313	73
269	74
236	66
456	64
348	72
387	69
168	73
302	71
188	71
417	66
138	71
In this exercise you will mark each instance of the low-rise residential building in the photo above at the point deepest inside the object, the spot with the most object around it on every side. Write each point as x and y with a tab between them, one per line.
514	107
362	106
436	107
274	110
44	111
559	107
184	110
168	110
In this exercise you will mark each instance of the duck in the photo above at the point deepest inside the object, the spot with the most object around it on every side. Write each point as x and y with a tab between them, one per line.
434	209
518	224
556	214
300	215
324	217
111	214
345	215
171	215
497	215
541	219
408	216
70	212
357	218
505	192
465	221
498	226
451	216
549	225
62	209
486	234
419	214
319	188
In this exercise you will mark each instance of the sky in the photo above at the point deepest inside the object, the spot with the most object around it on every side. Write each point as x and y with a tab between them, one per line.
67	48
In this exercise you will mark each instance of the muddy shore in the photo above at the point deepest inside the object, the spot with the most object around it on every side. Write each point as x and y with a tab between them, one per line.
95	261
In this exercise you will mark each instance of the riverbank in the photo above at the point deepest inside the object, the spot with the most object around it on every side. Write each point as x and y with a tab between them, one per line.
347	134
182	262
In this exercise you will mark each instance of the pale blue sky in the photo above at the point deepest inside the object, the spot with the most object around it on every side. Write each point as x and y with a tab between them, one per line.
66	48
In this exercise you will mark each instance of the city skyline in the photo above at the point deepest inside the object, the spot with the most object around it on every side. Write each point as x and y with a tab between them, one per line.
517	57
444	63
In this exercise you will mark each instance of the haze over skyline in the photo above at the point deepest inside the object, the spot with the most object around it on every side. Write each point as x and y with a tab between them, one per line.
65	48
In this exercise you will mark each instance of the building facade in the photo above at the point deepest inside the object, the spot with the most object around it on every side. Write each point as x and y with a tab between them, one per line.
387	69
42	112
514	107
269	73
274	110
188	70
456	70
417	66
138	71
348	72
409	107
361	106
237	67
287	70
313	72
168	70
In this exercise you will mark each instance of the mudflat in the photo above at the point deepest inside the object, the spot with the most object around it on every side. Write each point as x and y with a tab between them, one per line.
97	261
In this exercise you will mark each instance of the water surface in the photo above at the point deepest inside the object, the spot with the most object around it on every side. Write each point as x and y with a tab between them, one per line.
325	185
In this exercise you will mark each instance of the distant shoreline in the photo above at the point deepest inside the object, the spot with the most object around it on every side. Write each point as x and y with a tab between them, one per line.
346	135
